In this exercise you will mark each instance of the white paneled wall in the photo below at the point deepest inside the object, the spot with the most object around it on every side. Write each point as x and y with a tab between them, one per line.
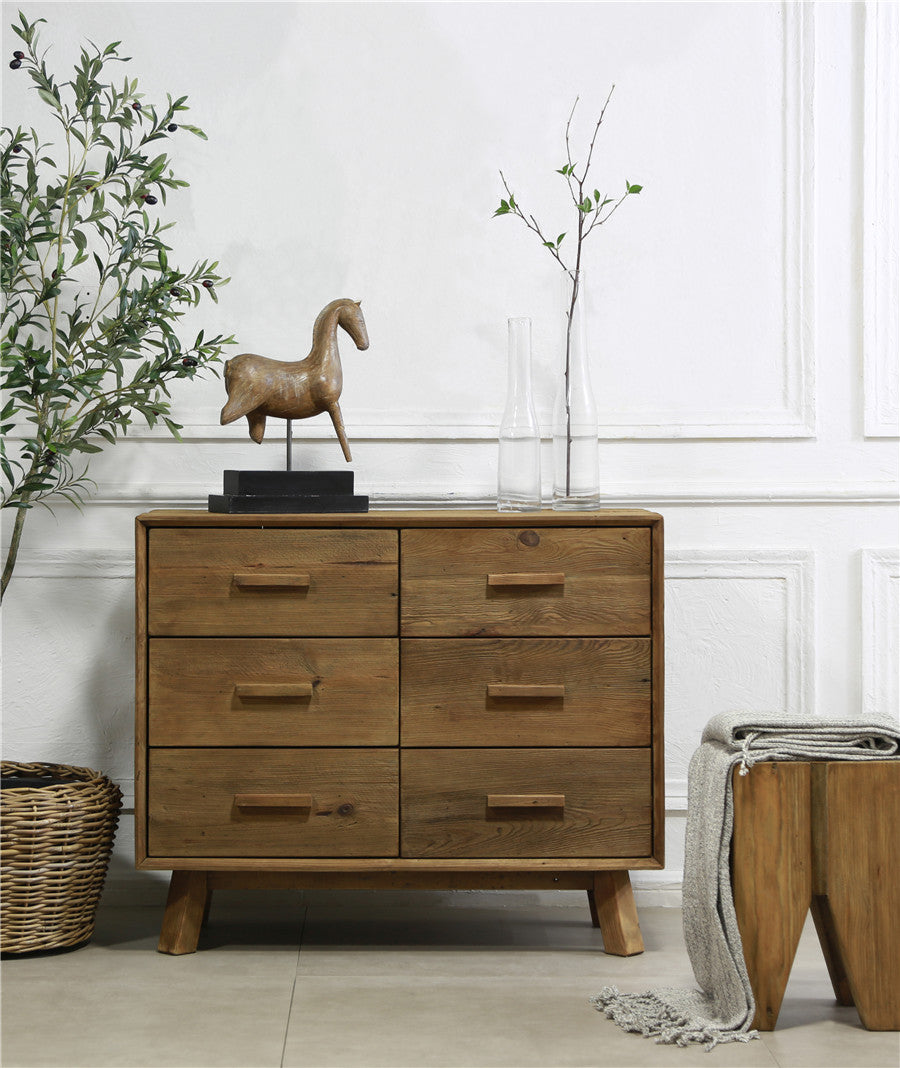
744	318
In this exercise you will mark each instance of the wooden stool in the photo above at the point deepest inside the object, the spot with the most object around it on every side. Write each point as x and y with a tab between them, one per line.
825	836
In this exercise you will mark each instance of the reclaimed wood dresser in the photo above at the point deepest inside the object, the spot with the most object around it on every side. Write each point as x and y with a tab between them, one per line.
430	699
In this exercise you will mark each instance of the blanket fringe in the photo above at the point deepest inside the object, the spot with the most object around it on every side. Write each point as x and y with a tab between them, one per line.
650	1015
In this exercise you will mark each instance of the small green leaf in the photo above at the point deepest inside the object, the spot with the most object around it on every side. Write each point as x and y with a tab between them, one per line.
49	98
635	188
559	240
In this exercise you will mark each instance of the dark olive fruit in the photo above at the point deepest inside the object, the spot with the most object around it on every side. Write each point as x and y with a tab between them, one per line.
149	198
208	284
15	63
175	291
188	362
136	105
17	148
18	55
172	127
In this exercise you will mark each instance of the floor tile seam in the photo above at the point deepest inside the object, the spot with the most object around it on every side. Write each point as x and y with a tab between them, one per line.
290	1012
763	1036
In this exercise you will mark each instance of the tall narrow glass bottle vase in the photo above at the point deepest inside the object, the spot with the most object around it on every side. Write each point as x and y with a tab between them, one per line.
519	467
576	461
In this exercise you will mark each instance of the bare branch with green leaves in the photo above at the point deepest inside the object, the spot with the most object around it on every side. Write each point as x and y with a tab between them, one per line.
90	323
592	210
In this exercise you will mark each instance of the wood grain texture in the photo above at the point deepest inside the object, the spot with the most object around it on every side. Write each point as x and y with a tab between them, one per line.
861	864
446	699
444	812
401	517
541	690
352	582
445	589
193	811
771	875
272	800
140	693
657	686
613	910
378	866
529	578
526	800
210	691
406	879
185	909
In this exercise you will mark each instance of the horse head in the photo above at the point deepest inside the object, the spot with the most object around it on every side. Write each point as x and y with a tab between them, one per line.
350	317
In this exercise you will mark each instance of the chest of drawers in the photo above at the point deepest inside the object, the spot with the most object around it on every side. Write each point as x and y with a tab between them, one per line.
436	699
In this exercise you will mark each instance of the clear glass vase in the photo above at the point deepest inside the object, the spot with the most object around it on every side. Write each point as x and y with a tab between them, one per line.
519	466
576	452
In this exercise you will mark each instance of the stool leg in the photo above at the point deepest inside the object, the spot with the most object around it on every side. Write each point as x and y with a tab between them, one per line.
184	912
771	876
821	912
861	861
613	910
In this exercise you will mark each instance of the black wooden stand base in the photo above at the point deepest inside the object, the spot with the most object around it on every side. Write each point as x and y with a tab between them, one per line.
288	492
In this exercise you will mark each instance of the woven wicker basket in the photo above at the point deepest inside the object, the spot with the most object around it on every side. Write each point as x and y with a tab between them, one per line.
56	845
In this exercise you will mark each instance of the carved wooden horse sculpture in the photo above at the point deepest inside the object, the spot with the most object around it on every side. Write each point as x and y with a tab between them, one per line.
258	386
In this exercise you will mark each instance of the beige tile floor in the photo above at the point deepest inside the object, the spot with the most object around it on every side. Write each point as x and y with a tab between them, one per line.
368	980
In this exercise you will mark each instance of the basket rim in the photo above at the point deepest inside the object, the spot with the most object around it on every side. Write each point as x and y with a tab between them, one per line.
73	775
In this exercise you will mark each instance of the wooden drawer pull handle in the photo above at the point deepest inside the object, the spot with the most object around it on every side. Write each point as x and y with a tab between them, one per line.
526	800
528	578
273	689
273	800
511	689
254	581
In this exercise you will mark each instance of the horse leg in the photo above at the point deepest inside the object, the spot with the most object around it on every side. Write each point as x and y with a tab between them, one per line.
257	421
335	412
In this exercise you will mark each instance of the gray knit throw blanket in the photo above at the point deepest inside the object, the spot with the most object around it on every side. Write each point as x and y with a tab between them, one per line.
723	1009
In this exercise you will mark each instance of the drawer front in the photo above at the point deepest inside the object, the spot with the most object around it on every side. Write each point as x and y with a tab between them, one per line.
547	581
267	803
526	691
489	803
272	582
273	691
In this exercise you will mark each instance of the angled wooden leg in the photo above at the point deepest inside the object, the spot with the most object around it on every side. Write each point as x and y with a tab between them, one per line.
184	912
613	910
861	858
824	921
771	876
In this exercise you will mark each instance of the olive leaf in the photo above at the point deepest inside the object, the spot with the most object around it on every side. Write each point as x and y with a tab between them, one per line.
90	326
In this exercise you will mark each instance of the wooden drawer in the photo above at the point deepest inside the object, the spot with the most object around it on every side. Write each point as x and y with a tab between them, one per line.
526	803
526	691
273	691
272	582
545	581
272	803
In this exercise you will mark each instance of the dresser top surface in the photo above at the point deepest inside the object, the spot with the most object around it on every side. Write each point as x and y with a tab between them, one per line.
430	517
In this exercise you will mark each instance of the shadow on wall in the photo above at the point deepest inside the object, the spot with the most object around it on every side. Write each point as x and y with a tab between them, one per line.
68	686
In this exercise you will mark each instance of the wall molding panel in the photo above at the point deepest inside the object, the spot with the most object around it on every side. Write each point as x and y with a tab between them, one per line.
881	223
880	631
790	639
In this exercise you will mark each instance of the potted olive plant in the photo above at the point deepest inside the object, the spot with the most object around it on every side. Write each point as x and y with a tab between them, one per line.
90	341
90	337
